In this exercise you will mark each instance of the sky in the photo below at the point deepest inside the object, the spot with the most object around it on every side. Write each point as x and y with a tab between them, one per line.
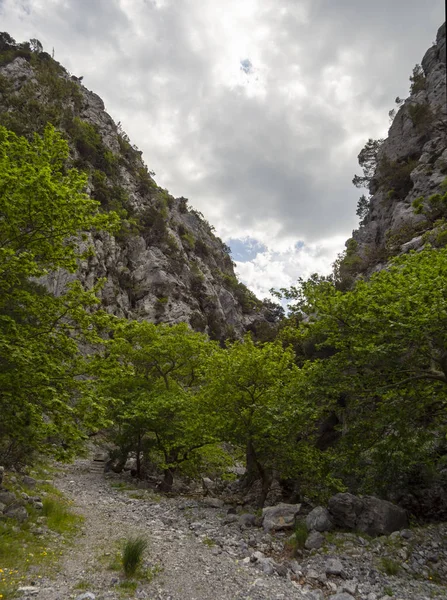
255	110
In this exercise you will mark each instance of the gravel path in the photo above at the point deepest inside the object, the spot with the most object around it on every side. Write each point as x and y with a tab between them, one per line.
189	569
198	551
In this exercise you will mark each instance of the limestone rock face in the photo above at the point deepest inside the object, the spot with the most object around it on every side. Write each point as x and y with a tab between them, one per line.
411	162
166	264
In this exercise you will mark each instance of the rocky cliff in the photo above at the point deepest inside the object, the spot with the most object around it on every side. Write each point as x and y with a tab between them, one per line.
406	170
166	264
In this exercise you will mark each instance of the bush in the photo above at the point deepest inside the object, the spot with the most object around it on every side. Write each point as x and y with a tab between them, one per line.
418	80
298	539
390	566
132	554
395	176
421	115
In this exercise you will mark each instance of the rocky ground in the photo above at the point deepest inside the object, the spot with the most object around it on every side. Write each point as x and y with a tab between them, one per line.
199	549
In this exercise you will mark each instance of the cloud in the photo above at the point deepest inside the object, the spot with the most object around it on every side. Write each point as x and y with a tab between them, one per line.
254	110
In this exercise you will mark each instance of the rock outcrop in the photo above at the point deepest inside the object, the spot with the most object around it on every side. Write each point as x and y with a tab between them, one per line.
410	164
367	514
166	264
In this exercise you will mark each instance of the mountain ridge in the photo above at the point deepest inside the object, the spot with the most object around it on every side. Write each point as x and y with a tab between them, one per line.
166	264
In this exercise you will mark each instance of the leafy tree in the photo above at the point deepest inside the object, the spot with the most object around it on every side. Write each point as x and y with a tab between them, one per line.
251	388
152	376
44	402
368	159
362	208
389	363
417	80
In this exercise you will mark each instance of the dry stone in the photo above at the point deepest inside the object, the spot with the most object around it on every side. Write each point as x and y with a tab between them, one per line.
367	514
319	519
282	516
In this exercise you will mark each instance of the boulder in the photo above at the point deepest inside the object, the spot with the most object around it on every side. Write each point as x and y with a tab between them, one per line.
29	481
344	509
247	520
16	512
314	541
319	519
367	514
7	497
213	502
334	567
282	516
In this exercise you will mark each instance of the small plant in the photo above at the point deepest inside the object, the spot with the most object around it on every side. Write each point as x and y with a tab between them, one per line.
300	534
132	554
208	542
390	566
128	585
59	517
388	591
298	538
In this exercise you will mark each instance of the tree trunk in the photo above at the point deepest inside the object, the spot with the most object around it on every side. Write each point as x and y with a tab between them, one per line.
251	473
139	457
168	480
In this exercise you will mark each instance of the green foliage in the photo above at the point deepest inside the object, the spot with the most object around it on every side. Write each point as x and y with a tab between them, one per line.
386	374
26	556
255	390
394	176
51	98
153	379
368	159
418	80
362	208
421	115
58	513
189	240
132	554
433	209
43	211
92	150
298	539
389	566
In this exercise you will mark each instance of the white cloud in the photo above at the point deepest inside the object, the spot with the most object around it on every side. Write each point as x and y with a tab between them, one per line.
266	152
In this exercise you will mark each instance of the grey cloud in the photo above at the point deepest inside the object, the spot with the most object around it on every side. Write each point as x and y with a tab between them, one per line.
274	155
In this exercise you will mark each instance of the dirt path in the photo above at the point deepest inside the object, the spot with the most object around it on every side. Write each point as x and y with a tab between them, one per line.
190	566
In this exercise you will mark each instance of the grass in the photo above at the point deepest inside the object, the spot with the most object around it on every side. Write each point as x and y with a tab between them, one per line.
208	542
82	585
298	538
59	517
388	591
389	566
132	554
24	555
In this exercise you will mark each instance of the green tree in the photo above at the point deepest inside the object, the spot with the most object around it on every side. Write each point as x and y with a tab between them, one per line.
386	376
152	375
368	160
251	388
44	402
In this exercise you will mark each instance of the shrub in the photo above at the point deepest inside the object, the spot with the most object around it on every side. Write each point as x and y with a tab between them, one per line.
418	80
132	554
59	517
421	115
389	566
395	176
298	539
